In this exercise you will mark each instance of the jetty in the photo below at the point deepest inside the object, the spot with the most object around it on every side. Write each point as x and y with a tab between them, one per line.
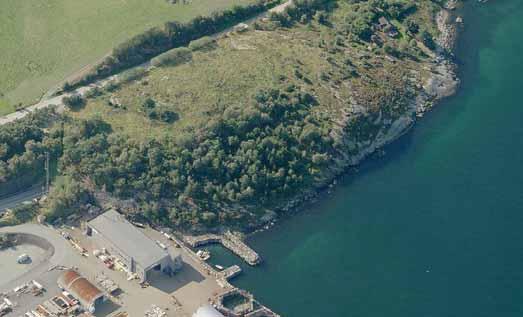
231	272
228	240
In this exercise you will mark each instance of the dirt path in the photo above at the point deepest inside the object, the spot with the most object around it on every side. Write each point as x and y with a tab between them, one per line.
281	7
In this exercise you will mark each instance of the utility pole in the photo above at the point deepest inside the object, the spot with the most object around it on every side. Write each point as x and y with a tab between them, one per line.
61	137
47	172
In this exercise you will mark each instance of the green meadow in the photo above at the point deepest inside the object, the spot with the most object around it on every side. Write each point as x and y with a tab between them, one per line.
45	42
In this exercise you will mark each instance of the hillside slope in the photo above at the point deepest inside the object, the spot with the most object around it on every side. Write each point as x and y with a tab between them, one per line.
227	132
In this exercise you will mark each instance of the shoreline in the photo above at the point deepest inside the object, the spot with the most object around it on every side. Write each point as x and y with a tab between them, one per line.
443	83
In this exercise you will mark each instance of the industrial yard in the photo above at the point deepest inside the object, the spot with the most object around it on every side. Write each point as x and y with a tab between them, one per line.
88	269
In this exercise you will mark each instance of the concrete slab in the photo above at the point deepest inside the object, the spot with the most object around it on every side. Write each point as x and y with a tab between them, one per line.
9	266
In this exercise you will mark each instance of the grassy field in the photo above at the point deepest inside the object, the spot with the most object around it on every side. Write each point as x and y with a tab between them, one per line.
44	42
213	81
242	64
5	107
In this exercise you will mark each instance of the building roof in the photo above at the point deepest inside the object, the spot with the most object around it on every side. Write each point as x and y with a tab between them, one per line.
79	287
383	21
207	311
126	237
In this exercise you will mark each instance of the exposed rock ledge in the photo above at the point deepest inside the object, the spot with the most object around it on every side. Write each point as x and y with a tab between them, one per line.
442	83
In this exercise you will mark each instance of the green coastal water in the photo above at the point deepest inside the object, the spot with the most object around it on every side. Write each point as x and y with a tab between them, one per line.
435	228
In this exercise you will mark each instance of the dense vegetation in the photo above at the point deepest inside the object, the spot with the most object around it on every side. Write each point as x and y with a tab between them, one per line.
266	150
18	215
258	120
22	151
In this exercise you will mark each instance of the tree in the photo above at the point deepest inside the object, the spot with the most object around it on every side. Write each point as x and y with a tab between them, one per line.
65	198
427	39
412	26
74	101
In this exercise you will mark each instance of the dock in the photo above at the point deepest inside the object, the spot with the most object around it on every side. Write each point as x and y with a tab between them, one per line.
251	307
230	241
198	241
231	272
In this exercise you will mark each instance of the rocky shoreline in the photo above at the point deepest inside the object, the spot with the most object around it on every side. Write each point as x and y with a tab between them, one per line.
442	83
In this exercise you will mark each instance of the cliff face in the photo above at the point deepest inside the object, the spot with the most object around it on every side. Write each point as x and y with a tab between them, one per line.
439	81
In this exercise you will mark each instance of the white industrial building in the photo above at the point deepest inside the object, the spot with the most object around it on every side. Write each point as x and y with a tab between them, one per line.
138	252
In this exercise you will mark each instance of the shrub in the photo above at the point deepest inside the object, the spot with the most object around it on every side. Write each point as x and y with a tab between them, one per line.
74	101
133	74
203	43
67	87
93	92
321	17
158	112
412	26
427	39
168	116
149	103
111	86
25	212
390	50
65	198
173	57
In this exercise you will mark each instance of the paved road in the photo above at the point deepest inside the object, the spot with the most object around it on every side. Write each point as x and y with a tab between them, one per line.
57	101
17	199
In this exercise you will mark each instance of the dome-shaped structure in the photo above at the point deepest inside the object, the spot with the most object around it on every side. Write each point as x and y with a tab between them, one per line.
207	311
87	294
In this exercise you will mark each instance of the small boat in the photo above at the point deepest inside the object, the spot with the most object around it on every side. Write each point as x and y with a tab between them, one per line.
219	267
203	254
